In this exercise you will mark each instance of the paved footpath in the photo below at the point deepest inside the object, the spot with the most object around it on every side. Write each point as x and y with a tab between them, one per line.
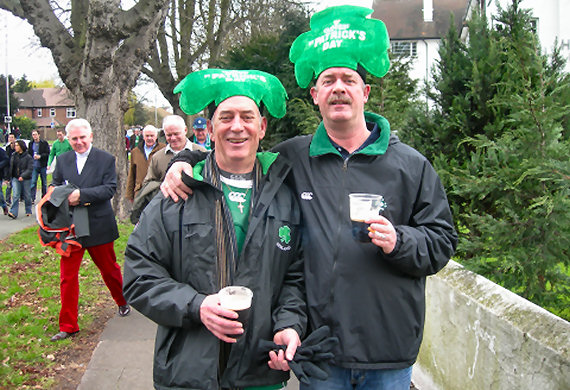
123	358
9	225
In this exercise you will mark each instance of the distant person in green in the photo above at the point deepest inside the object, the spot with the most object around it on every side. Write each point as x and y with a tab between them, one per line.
60	145
135	139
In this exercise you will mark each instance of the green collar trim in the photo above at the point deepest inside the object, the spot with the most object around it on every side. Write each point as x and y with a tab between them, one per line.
266	159
321	143
198	169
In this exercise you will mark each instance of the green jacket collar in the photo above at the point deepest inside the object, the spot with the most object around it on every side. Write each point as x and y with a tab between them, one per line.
321	144
266	159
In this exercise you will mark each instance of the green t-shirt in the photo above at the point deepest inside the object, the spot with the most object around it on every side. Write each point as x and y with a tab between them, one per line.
238	198
237	191
58	148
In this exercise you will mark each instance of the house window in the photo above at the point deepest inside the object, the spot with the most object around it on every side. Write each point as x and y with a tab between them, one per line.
405	48
70	112
52	112
534	25
39	112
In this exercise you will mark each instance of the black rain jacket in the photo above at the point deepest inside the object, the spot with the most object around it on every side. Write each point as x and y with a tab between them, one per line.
373	302
21	165
171	266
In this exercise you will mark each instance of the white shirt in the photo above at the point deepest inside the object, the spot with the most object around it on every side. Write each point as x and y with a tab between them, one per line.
187	146
81	159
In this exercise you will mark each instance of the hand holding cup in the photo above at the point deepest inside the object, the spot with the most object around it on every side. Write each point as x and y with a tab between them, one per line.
238	299
221	322
362	208
382	233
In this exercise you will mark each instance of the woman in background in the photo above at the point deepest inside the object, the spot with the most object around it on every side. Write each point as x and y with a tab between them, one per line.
21	165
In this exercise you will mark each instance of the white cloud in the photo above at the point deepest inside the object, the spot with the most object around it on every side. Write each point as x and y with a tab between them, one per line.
21	53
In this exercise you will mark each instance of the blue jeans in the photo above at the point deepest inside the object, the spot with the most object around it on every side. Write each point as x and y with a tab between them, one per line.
21	187
9	192
2	200
356	379
42	173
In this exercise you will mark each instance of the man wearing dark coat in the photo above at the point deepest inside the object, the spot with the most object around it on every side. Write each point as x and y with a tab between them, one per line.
93	171
39	150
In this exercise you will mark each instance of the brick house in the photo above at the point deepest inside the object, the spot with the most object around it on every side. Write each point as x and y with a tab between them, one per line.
50	108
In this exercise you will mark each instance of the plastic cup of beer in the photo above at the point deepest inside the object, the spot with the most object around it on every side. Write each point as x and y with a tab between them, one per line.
238	299
362	207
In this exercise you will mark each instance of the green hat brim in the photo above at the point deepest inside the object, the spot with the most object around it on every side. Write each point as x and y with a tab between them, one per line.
203	87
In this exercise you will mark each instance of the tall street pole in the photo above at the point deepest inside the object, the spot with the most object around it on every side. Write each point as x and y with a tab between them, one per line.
7	78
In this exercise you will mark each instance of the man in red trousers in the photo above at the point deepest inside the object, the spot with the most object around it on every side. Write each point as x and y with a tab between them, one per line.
93	171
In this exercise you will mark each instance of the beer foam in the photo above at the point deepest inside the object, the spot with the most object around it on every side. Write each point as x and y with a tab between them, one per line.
235	298
235	302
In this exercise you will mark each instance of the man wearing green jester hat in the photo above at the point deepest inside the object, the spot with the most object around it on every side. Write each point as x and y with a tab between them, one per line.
241	227
370	294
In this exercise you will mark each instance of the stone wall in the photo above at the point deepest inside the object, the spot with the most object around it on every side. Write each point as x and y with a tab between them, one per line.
479	335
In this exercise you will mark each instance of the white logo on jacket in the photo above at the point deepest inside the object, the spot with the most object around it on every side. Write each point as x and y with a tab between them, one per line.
307	195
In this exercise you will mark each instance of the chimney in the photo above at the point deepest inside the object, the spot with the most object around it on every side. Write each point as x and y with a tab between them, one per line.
428	10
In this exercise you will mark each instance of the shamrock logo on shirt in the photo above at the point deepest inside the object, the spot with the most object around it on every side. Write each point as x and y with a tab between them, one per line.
285	234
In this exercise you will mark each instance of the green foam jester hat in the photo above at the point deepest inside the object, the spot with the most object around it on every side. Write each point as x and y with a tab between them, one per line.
341	36
203	87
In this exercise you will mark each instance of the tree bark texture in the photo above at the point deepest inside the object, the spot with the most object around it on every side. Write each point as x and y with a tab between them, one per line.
99	54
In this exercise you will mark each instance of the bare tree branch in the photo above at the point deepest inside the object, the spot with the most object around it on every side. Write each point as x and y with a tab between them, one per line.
53	35
14	7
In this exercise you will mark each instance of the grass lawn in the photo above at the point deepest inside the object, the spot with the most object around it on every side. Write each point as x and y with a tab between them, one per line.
29	308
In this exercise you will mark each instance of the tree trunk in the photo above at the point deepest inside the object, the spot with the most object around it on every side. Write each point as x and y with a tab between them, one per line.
106	119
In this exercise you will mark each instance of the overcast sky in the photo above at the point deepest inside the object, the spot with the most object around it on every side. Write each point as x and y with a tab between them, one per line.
21	53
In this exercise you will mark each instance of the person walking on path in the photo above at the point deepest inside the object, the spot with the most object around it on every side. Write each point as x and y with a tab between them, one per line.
10	148
4	168
39	150
175	131
21	166
92	171
59	146
201	136
136	139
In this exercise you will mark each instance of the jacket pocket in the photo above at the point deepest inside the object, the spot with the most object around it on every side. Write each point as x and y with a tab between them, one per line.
198	254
